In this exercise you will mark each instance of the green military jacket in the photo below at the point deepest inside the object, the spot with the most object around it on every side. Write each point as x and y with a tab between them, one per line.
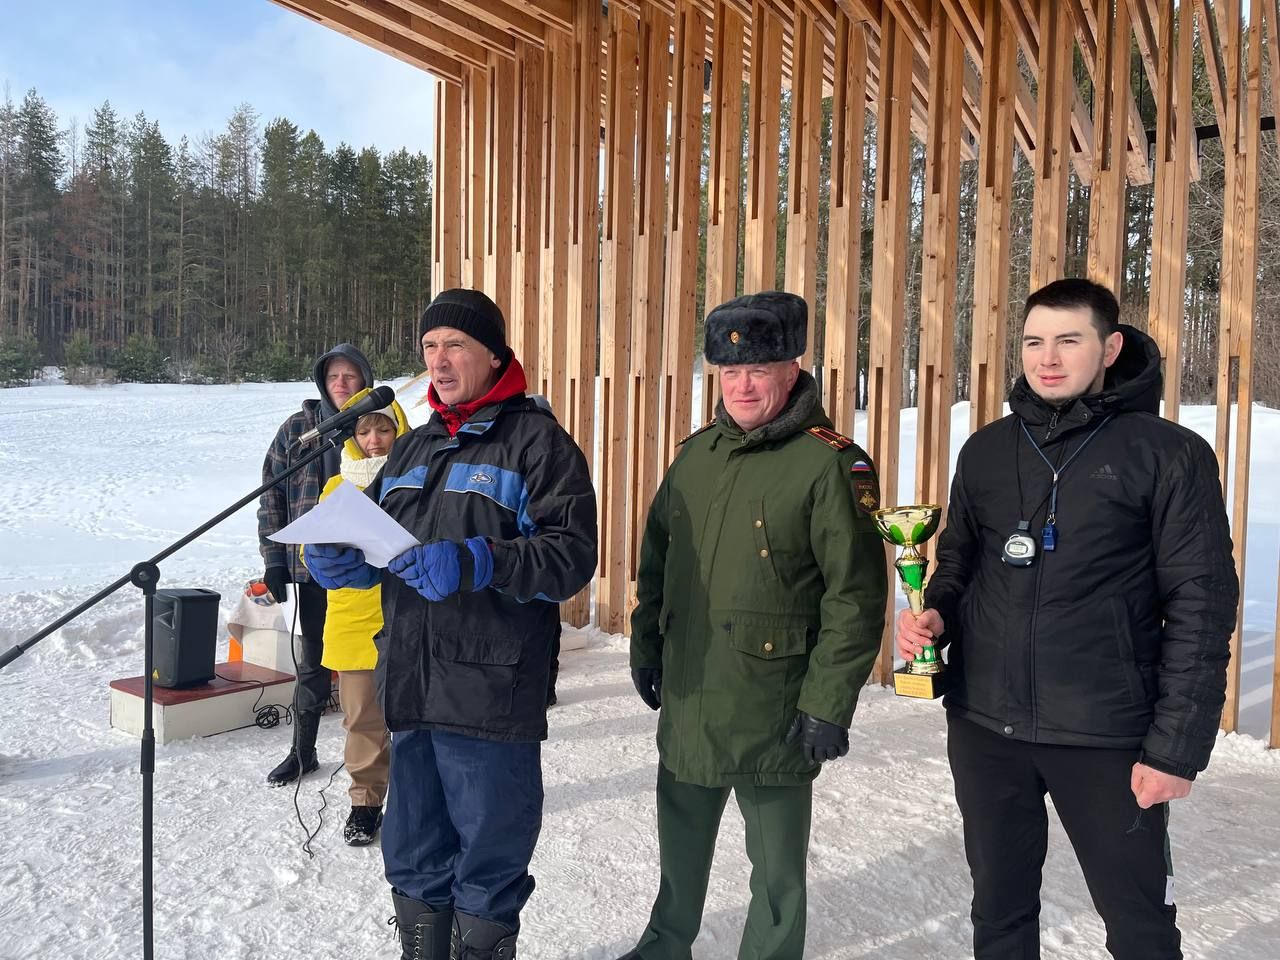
761	592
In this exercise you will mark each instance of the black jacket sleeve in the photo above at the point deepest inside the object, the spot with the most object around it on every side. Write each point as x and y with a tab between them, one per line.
560	558
1199	591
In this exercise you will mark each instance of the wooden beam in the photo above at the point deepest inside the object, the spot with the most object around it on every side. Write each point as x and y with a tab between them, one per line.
619	237
801	266
557	185
764	130
395	18
1236	324
1211	47
1174	147
889	278
683	221
475	107
506	16
1107	211
444	14
555	13
527	204
993	241
724	179
844	239
446	212
500	133
936	374
648	324
440	65
1053	118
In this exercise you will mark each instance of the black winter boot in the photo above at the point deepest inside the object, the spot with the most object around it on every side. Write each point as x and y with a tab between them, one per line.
304	746
476	939
424	931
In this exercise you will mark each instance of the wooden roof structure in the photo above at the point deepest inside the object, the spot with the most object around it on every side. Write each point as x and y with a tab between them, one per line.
546	105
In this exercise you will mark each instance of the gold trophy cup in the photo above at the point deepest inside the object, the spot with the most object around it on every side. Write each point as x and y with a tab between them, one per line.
924	677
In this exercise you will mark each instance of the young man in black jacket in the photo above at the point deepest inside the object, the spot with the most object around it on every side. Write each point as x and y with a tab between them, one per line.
1085	590
500	498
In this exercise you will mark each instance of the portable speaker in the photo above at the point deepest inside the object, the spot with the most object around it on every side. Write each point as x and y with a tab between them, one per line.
184	635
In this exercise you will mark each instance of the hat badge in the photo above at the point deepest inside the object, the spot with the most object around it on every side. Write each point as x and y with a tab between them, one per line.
734	336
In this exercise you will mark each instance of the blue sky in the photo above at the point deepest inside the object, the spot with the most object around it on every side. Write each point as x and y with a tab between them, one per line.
189	63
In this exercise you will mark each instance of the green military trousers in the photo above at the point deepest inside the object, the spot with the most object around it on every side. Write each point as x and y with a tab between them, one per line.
777	821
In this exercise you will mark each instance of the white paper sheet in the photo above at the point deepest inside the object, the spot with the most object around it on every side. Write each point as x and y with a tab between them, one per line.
349	518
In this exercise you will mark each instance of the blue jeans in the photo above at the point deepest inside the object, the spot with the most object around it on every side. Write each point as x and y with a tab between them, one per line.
462	818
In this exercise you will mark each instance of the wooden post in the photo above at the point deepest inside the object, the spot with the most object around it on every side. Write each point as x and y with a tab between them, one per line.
724	180
645	380
615	315
1174	146
1240	145
1110	153
936	377
1055	95
557	180
764	129
476	105
446	227
527	205
808	51
995	194
499	219
889	280
844	237
584	252
683	217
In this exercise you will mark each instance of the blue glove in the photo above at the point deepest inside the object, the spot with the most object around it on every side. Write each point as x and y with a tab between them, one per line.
335	567
436	569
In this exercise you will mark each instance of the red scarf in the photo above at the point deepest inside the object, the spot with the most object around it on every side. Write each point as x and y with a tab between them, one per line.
511	384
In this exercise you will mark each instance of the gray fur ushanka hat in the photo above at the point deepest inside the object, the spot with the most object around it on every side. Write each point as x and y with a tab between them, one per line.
767	327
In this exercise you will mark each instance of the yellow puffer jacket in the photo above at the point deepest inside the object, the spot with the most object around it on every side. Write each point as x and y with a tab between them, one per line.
354	616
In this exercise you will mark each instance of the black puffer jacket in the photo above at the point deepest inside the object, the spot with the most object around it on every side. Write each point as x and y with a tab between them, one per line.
477	662
1120	636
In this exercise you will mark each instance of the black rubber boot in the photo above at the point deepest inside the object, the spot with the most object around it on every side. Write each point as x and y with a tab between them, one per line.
304	746
476	939
424	930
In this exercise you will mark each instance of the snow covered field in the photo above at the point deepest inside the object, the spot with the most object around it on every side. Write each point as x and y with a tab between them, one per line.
99	478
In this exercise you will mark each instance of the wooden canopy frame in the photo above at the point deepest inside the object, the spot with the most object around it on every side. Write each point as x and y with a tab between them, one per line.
546	105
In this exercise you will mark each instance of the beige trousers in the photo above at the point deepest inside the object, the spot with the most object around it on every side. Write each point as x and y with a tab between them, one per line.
368	750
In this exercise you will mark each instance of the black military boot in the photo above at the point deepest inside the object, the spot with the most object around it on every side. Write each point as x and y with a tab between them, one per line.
476	939
304	747
424	931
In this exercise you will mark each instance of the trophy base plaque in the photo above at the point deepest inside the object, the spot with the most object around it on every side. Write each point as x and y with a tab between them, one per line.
926	686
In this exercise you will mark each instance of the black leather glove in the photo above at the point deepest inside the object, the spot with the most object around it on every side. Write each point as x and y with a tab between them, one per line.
648	681
822	741
277	581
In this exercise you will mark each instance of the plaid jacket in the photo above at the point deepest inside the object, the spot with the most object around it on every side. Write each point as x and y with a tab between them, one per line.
282	504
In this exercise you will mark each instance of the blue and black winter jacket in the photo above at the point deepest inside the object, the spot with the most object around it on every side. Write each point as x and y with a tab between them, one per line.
477	662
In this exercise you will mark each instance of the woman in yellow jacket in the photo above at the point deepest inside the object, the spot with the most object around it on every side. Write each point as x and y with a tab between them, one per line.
352	619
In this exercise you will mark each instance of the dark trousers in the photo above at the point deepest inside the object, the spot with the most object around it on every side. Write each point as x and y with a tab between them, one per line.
777	821
462	819
314	681
1123	850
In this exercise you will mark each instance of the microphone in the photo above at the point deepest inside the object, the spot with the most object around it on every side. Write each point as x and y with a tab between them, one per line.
378	398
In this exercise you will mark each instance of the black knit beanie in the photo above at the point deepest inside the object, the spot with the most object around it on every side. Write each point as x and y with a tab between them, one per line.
471	312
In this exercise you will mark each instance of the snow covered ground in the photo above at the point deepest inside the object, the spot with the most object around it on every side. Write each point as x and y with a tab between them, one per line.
99	478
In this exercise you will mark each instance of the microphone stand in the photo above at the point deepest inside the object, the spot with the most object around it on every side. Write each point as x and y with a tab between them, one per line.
145	576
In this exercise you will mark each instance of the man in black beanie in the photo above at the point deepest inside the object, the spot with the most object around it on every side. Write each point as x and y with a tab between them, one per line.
501	500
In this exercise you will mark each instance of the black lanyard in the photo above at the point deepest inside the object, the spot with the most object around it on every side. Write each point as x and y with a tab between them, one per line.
1049	535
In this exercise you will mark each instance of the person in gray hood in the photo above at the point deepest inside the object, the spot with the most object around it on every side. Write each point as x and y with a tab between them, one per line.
339	374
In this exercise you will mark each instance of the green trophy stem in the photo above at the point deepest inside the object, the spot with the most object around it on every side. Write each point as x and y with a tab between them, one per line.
911	570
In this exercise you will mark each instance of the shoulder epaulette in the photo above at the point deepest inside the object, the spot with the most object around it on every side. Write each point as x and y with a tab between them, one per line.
836	441
706	426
